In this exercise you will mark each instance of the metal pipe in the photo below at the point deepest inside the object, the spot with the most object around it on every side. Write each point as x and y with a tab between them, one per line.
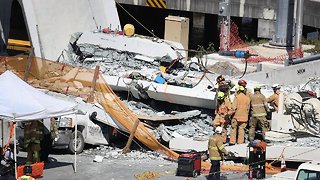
306	59
299	23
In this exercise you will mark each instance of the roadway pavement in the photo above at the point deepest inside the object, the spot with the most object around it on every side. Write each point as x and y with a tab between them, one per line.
61	168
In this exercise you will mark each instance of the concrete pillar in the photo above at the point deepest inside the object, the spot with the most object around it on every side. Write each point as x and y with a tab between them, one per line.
284	24
5	15
299	23
259	67
281	103
177	29
266	28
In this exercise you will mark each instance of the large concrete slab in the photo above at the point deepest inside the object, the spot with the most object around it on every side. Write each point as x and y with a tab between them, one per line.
50	23
292	75
290	153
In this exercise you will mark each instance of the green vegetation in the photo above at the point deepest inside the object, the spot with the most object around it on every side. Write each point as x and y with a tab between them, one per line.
203	51
254	43
316	44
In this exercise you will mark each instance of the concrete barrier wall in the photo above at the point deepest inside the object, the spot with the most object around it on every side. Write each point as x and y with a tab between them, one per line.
293	75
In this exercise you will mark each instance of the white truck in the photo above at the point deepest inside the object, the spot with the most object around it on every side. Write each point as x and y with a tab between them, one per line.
306	171
94	126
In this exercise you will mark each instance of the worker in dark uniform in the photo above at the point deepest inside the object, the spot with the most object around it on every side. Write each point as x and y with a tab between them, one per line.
216	151
50	132
32	138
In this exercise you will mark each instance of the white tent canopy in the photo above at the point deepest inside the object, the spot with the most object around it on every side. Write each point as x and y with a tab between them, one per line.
22	102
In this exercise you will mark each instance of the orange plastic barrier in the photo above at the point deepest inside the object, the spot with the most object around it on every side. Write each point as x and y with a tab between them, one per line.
37	170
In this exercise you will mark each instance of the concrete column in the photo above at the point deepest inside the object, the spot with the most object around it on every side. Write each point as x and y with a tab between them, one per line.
5	15
299	23
281	103
284	24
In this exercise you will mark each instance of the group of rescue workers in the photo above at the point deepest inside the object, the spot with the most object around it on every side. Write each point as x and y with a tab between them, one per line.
246	109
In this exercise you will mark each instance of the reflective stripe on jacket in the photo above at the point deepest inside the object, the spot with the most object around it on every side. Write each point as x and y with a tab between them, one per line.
241	105
258	105
216	147
222	110
25	177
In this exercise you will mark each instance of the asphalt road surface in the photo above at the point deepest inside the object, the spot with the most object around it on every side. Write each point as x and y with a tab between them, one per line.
61	168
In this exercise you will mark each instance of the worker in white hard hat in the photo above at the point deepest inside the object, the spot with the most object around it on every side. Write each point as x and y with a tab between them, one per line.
274	98
216	151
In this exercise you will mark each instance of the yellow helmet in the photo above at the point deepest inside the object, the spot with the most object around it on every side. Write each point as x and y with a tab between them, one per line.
257	86
240	88
220	95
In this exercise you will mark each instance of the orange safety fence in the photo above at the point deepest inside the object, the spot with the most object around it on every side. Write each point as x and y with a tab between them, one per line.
236	43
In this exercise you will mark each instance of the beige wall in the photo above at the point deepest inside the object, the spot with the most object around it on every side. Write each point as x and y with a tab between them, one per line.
177	29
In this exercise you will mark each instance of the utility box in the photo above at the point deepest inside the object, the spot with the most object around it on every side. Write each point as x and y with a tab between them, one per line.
177	30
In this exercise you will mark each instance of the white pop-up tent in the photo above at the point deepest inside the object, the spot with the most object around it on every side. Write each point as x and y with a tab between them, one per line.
21	102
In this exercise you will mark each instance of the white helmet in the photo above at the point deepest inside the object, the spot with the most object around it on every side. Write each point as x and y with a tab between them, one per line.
218	130
276	86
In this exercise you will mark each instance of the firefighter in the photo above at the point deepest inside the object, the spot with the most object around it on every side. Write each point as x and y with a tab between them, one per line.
216	151
274	98
243	83
259	108
27	171
224	85
223	114
50	132
32	138
241	106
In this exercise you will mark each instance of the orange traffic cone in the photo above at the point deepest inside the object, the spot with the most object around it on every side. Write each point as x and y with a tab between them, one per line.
283	164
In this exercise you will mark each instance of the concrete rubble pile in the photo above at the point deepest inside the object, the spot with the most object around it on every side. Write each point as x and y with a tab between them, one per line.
113	59
109	152
194	123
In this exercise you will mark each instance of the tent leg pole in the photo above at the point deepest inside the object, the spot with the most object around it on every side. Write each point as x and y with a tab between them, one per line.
15	148
2	124
75	144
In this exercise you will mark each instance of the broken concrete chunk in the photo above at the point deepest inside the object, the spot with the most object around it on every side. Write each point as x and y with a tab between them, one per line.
70	75
98	158
78	84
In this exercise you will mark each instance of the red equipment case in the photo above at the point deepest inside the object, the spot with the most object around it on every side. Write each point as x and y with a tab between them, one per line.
189	165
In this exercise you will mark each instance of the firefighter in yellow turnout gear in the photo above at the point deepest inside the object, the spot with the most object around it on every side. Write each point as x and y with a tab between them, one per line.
259	108
32	138
241	106
223	114
274	98
216	151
